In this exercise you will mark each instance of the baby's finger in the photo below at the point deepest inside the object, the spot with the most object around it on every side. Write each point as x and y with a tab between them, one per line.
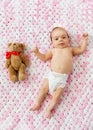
85	35
35	50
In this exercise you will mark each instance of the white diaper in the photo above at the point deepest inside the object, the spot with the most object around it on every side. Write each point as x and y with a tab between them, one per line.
56	80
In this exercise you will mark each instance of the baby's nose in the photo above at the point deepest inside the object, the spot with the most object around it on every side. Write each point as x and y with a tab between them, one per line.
60	39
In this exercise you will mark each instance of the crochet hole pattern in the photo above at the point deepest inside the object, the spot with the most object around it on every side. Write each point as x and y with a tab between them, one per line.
30	22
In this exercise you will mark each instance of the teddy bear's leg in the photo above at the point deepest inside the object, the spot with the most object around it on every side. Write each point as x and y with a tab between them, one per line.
13	74
22	72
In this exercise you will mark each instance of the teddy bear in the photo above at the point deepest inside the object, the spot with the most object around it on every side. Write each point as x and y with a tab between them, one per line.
16	61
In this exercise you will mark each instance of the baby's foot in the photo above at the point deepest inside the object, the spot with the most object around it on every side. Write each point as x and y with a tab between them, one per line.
48	114
35	107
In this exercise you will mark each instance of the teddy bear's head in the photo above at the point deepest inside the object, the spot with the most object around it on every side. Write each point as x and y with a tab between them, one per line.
19	47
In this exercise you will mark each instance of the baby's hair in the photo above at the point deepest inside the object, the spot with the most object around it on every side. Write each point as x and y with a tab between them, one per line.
55	29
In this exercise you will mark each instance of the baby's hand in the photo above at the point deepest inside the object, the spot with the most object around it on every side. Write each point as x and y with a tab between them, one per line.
36	50
85	36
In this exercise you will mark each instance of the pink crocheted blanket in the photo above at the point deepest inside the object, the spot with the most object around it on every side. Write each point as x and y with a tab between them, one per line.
30	22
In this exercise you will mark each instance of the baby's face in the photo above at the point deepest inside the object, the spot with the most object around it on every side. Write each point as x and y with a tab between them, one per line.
60	38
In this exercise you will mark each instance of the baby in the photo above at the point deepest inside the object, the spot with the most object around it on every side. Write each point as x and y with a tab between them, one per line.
61	66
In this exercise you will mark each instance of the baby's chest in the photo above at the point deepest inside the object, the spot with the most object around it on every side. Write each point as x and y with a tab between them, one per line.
62	53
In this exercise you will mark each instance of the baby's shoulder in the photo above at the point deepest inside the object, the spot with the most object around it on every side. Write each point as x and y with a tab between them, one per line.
70	48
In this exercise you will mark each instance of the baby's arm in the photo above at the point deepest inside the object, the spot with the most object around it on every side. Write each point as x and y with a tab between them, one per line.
43	57
82	47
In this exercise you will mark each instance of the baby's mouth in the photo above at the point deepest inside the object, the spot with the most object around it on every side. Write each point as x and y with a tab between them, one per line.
61	44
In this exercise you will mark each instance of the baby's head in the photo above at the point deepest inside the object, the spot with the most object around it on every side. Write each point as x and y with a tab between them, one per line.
59	37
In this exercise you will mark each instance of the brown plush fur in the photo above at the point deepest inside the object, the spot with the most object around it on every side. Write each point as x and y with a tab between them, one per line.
17	64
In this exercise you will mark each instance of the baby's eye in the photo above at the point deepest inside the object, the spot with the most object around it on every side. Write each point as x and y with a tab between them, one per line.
56	38
64	37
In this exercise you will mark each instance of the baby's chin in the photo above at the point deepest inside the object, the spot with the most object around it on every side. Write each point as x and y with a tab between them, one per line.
61	46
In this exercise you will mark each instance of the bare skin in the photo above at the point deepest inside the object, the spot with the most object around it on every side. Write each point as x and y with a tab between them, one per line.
59	64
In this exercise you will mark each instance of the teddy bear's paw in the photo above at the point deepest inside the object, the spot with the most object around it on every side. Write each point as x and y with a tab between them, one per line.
6	65
14	78
22	76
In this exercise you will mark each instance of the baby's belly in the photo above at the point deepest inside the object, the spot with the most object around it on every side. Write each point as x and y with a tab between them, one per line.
67	68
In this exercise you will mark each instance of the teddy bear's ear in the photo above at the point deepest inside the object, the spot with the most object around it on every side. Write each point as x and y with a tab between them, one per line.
9	44
23	46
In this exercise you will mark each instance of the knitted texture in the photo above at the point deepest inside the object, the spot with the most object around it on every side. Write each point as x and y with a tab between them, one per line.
30	22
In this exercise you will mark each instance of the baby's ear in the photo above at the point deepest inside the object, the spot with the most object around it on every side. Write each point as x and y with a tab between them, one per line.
51	35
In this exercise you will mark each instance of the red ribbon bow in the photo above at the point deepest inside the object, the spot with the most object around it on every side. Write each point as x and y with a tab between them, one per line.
8	54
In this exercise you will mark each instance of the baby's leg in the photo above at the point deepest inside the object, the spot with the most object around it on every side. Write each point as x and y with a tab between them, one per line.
43	92
54	101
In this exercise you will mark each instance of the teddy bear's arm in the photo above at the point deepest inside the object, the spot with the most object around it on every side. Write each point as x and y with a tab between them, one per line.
8	62
24	59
